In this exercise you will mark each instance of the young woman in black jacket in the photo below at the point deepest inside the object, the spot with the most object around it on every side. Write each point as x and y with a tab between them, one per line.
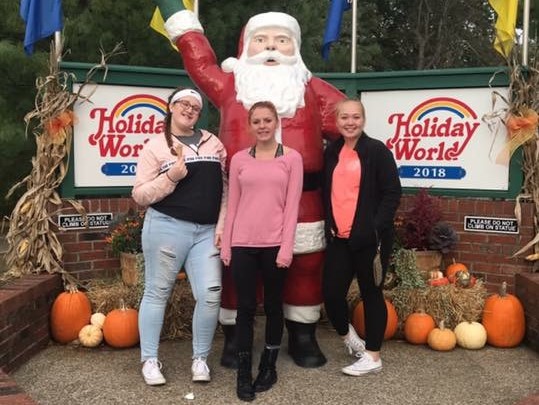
362	192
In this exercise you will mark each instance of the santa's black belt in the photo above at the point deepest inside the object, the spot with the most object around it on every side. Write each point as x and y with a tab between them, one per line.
311	181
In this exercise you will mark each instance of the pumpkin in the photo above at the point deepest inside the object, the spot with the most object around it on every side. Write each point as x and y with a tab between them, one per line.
471	335
452	269
120	329
438	282
503	319
98	319
417	327
70	311
442	339
90	336
358	320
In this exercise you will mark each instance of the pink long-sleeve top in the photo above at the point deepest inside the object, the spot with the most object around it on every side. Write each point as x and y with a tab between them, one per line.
263	203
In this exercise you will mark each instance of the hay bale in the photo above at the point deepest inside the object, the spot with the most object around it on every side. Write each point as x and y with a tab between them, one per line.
105	295
451	303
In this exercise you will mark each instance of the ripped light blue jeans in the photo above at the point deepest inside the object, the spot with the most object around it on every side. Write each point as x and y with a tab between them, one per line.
168	245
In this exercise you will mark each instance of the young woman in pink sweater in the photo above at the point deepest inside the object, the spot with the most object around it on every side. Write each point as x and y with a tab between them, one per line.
265	183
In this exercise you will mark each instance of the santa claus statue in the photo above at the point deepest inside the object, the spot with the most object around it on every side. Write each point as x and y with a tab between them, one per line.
269	68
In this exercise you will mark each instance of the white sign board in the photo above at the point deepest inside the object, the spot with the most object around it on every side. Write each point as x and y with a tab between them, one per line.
438	138
111	130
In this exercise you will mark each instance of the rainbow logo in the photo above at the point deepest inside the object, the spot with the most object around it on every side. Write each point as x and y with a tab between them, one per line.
452	105
131	103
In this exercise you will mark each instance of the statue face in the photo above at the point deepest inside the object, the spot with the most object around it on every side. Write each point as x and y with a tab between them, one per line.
271	39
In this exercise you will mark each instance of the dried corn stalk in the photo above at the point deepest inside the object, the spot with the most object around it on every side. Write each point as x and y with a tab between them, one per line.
33	244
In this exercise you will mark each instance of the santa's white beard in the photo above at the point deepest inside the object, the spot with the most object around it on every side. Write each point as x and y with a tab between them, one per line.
282	84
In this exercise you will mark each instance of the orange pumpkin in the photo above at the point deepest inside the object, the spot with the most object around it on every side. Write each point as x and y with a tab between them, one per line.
358	320
503	318
417	327
120	328
71	310
452	269
442	339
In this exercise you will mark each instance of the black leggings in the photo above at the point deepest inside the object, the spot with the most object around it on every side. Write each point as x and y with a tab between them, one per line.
246	264
341	265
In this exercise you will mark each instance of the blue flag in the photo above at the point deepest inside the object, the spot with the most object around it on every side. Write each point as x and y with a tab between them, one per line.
42	18
333	24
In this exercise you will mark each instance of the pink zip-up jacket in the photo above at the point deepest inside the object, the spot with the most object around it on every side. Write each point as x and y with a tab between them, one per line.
200	197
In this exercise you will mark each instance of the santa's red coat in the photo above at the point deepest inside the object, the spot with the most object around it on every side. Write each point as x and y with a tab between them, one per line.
304	132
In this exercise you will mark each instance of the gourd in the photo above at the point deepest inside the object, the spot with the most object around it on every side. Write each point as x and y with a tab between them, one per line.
70	311
470	335
436	282
452	269
120	329
435	274
503	319
358	320
417	327
90	336
98	319
441	338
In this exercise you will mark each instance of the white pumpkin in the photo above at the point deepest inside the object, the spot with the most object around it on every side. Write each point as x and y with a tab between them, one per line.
471	335
90	336
98	319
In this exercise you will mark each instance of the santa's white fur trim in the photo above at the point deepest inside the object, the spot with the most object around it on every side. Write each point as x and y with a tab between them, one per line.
227	316
310	237
228	64
181	22
302	314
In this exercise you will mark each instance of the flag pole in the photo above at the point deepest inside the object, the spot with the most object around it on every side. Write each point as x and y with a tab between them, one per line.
525	32
195	8
354	37
58	45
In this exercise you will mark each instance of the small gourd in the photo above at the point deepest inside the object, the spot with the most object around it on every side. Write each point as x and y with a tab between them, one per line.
417	327
435	274
441	338
471	335
437	282
98	319
90	336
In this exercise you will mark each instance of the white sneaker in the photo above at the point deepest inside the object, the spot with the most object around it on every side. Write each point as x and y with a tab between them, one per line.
363	366
200	370
151	371
354	344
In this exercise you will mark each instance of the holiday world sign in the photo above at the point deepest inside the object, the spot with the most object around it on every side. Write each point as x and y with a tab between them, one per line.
438	137
112	129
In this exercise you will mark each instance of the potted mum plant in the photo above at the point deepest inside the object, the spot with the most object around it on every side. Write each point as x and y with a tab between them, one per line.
125	242
422	230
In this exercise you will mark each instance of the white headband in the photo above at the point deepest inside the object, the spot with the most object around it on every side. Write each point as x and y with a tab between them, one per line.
185	93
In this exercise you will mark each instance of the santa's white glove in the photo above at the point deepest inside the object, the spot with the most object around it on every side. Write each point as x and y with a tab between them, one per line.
181	22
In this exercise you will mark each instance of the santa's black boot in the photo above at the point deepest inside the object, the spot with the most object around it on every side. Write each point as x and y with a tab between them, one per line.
229	357
302	344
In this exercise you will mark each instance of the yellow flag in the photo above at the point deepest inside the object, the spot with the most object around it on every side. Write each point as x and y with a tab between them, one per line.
158	24
505	24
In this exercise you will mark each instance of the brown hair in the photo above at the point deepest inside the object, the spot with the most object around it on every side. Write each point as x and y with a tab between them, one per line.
168	121
263	104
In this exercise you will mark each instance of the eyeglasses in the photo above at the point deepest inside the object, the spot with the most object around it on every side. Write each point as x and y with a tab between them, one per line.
186	105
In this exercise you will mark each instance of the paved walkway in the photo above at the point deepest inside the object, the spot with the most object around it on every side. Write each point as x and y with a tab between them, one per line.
62	375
